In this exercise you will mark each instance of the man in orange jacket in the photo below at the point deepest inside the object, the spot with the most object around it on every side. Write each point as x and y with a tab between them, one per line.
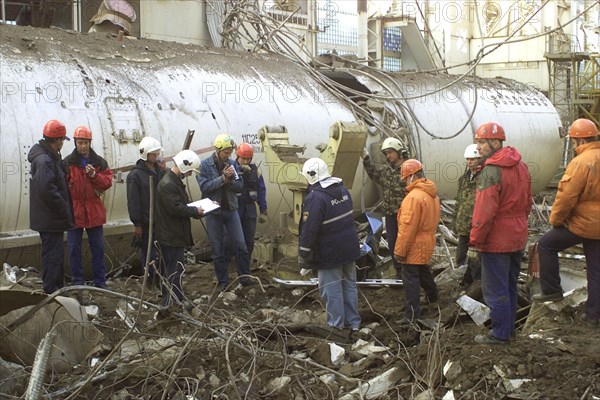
418	218
575	219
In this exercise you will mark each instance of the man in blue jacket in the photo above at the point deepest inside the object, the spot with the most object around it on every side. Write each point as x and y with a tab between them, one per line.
329	243
254	193
220	182
50	211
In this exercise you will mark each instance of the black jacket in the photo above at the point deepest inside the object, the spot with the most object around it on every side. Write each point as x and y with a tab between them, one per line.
138	193
173	225
49	202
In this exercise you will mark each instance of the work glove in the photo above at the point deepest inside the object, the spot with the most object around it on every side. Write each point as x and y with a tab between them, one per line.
304	266
365	153
245	169
473	253
262	218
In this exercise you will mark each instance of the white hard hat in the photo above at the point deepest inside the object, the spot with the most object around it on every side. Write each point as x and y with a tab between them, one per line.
148	145
392	143
471	151
315	170
187	160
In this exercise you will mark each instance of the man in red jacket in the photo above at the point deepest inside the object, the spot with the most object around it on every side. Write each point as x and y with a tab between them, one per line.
88	176
575	218
499	228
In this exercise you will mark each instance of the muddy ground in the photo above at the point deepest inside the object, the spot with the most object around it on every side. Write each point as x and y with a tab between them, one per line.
265	341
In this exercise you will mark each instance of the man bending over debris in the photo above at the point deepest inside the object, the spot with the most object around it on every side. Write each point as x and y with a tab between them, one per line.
502	205
418	218
575	218
329	243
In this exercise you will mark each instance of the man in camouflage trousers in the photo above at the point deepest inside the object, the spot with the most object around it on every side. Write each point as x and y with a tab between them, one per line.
465	203
393	187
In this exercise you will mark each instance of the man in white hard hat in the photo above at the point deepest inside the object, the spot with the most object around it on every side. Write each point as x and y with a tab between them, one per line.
329	243
173	226
393	188
465	203
138	199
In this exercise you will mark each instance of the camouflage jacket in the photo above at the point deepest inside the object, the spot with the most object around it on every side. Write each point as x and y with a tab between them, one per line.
465	203
392	185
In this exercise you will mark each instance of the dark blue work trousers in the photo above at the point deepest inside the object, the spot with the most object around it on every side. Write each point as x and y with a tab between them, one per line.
53	259
391	228
144	252
96	241
415	277
559	239
223	226
499	274
172	267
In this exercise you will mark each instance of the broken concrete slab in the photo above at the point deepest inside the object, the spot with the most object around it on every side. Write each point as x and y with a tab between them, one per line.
76	337
478	312
377	386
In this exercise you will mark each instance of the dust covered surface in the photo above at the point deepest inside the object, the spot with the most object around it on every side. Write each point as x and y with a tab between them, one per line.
265	341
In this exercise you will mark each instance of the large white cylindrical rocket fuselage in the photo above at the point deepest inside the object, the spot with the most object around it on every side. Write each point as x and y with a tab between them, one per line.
147	88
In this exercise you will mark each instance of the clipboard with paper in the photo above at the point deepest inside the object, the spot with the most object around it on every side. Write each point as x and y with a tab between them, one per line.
207	205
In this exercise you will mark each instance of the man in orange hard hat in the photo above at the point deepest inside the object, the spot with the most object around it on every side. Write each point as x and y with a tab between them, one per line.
50	211
575	218
499	228
88	177
418	218
253	193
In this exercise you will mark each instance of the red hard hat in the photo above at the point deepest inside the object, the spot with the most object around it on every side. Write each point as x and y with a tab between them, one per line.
245	150
583	128
490	130
55	129
410	167
82	132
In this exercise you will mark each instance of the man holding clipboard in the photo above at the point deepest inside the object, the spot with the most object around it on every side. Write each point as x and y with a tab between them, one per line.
174	228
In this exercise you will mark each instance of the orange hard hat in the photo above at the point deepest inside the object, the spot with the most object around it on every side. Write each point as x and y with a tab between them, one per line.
583	128
490	130
55	129
245	150
410	167
82	132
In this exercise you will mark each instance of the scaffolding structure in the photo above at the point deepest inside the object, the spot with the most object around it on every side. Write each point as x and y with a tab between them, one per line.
574	86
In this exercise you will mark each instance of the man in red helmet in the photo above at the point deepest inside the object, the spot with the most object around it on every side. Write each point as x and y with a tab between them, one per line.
499	227
50	211
575	219
253	193
88	177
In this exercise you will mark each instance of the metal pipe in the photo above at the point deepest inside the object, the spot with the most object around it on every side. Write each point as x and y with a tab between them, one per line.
4	11
363	34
